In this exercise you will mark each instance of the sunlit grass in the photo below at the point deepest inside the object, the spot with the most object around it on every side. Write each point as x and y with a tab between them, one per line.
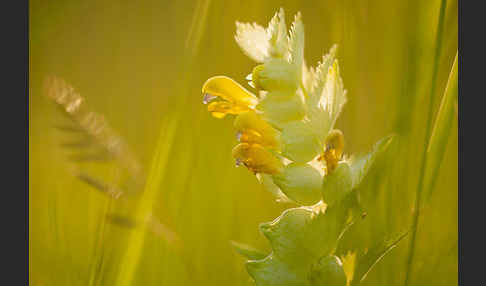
142	66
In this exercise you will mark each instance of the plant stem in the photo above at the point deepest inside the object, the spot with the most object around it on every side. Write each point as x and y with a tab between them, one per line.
418	194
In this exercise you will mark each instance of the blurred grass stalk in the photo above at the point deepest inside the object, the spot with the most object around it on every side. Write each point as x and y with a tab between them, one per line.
418	195
433	156
131	257
440	134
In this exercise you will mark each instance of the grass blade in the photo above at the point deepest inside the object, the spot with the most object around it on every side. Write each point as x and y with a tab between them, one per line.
441	132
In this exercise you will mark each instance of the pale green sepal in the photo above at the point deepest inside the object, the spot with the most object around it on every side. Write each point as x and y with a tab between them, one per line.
299	142
276	75
328	271
248	251
300	182
279	108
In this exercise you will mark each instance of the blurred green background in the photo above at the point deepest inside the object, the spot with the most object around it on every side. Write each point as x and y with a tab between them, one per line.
142	64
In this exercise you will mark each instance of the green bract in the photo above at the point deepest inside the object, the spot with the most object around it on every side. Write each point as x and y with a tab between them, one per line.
279	108
300	143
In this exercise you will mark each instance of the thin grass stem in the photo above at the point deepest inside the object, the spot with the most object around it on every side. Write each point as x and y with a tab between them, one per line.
416	214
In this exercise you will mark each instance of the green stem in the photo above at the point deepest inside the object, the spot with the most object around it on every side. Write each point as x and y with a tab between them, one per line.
418	195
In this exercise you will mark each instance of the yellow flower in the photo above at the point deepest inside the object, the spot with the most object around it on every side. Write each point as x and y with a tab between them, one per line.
235	98
257	159
251	128
334	149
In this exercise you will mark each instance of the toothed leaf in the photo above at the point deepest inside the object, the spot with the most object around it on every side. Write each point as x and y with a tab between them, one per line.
326	94
299	237
296	42
253	40
277	31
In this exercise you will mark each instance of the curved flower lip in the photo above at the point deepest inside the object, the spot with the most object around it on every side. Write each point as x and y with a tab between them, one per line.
251	128
235	98
256	158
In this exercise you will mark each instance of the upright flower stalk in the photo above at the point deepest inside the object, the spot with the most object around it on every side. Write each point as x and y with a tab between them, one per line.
286	134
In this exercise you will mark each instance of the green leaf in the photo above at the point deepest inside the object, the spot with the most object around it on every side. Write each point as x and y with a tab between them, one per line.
299	238
328	271
366	261
349	174
300	143
443	127
300	182
248	251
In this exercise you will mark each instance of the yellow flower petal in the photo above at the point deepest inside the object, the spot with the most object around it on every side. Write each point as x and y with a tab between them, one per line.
257	159
253	129
229	90
219	109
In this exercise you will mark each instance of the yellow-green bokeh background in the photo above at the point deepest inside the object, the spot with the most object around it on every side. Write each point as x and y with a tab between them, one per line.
142	64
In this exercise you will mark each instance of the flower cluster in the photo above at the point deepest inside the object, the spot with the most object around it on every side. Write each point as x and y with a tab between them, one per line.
286	135
285	128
